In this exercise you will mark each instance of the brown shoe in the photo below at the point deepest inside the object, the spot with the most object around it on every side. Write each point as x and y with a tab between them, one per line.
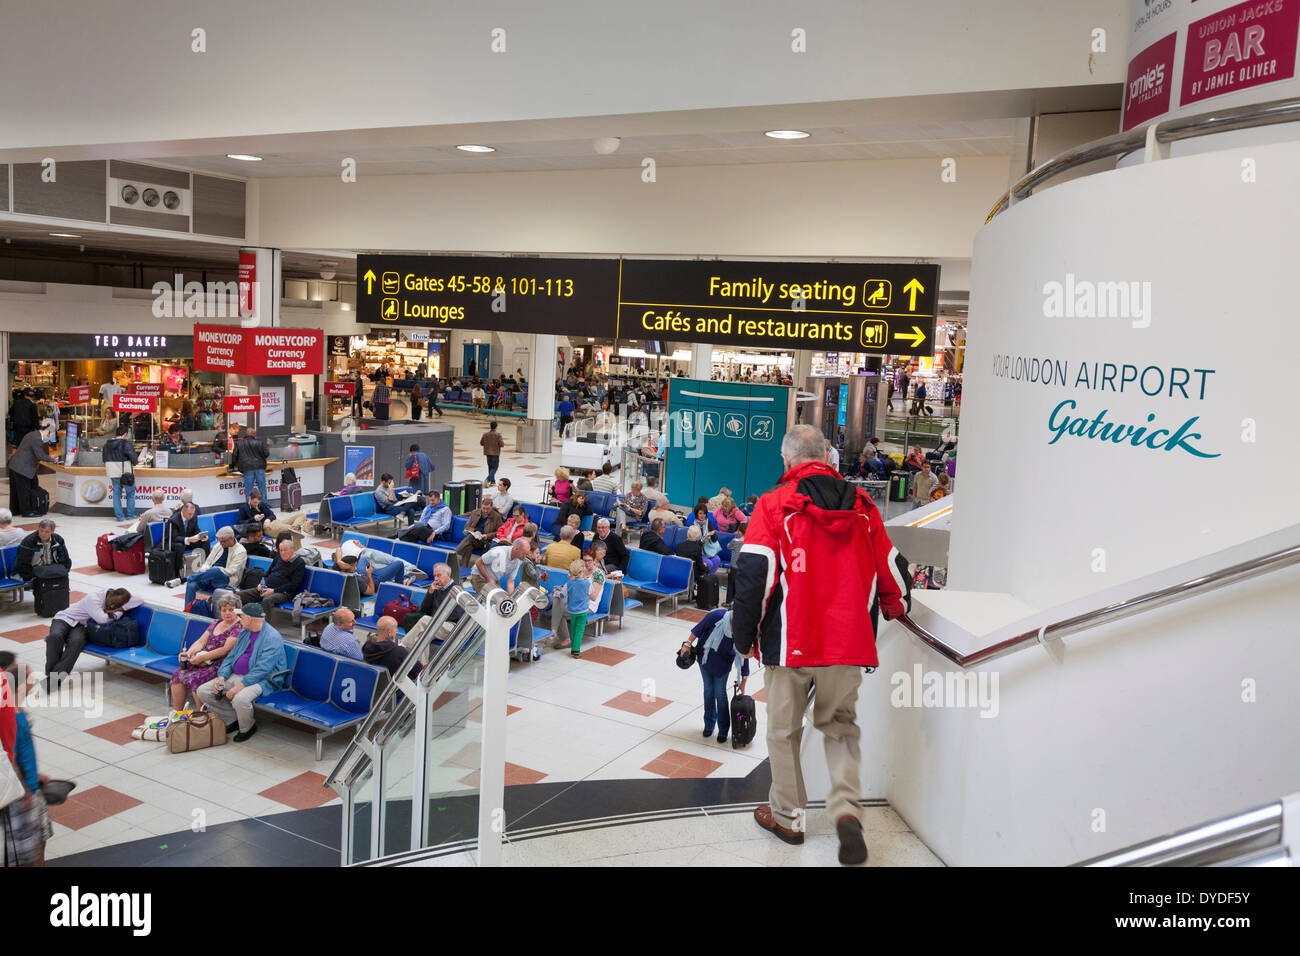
763	817
853	848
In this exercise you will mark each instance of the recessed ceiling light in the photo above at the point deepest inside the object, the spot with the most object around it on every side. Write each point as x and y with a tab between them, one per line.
64	235
245	157
787	134
471	148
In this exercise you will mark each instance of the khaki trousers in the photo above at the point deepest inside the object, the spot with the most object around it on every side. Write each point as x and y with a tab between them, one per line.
834	714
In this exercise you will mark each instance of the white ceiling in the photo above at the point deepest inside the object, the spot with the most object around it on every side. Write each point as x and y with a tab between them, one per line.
976	137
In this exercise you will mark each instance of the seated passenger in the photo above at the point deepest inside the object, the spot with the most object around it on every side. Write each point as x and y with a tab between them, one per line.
383	650
373	568
386	499
502	500
666	515
339	637
512	530
254	666
652	538
40	547
159	512
576	505
282	581
563	487
68	631
224	567
480	529
254	511
199	661
254	543
728	517
693	548
633	507
562	553
350	486
434	522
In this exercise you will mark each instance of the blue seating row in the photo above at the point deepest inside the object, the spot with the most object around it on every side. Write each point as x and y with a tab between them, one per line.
666	577
11	586
420	556
326	692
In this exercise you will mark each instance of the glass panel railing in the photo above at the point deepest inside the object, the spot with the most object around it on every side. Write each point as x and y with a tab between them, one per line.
356	828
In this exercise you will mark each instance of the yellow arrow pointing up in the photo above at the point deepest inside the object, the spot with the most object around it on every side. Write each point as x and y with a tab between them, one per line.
370	281
916	336
912	288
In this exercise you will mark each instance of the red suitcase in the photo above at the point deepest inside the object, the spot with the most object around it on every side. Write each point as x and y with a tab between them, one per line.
132	560
104	552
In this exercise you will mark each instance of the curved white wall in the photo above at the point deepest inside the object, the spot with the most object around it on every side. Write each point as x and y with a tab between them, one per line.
1217	255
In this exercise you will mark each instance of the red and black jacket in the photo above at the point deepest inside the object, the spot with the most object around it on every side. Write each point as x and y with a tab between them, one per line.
814	573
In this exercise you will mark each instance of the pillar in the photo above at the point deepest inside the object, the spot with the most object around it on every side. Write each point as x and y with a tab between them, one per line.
536	431
802	367
701	361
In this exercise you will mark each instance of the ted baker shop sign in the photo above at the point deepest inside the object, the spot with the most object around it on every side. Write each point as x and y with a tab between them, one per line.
224	348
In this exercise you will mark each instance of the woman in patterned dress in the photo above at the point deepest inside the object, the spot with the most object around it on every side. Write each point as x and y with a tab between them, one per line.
204	655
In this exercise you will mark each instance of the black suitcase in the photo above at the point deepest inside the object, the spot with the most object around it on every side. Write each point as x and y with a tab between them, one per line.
744	719
706	592
163	566
50	589
40	501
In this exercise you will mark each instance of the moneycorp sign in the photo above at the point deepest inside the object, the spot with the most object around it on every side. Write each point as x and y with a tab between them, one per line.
887	308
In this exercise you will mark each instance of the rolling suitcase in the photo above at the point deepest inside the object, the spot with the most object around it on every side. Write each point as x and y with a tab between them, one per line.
104	552
163	566
744	719
128	554
706	592
290	491
50	589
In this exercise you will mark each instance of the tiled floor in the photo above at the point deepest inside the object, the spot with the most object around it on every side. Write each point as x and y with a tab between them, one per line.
623	711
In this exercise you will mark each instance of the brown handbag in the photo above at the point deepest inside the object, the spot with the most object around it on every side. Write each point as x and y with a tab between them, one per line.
198	733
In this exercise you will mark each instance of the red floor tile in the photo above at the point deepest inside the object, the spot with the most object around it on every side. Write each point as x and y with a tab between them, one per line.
605	655
676	764
692	614
468	757
303	792
446	697
118	731
76	596
515	776
90	569
26	635
85	807
477	702
632	702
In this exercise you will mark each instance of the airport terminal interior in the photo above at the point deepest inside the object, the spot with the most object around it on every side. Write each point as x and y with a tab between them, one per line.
515	435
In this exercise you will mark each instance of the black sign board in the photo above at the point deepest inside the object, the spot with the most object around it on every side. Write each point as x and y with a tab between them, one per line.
111	345
846	307
491	293
338	346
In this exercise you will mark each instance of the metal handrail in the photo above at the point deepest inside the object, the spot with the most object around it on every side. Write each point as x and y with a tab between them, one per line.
1246	837
1169	131
1273	561
380	709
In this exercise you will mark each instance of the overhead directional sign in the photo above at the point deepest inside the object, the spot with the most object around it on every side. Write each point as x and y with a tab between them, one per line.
853	307
886	308
491	293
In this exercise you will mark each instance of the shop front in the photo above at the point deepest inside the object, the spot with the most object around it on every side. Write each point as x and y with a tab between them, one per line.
104	364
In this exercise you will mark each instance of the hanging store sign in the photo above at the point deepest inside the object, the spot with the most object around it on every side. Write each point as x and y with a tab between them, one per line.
885	308
135	403
239	404
339	389
228	348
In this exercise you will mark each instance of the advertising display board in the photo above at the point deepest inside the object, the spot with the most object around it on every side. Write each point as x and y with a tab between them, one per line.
272	410
359	460
215	491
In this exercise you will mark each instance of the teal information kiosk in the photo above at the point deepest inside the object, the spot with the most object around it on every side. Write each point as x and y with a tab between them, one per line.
725	433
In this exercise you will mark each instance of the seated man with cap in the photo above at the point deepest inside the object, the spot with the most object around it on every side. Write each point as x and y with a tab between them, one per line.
246	673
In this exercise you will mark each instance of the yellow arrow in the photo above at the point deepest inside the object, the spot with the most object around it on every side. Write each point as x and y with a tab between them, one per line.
913	288
370	281
916	336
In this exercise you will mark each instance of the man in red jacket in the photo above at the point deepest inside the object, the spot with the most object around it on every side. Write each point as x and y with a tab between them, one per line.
815	571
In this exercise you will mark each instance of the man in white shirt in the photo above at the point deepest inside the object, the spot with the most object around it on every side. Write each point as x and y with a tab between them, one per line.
159	512
224	567
68	634
497	567
503	501
605	481
832	455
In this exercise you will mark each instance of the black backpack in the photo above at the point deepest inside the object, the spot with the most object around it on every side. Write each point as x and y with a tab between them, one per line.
744	719
123	632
